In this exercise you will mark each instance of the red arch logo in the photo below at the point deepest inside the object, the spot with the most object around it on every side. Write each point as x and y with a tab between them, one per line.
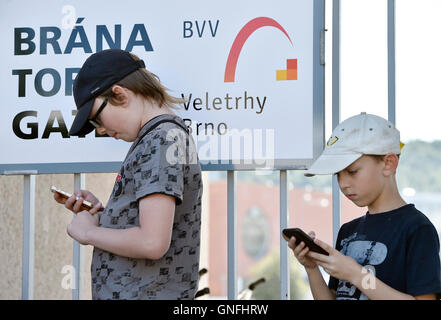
241	38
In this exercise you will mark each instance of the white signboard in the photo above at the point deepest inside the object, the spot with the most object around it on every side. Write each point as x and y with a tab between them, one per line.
249	70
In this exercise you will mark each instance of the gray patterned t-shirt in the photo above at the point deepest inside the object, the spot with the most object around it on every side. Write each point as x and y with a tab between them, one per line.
157	164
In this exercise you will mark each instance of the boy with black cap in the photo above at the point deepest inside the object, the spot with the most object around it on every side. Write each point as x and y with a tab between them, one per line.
393	251
146	242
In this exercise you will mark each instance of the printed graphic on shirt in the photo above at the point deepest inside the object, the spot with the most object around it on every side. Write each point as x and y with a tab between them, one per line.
118	184
370	253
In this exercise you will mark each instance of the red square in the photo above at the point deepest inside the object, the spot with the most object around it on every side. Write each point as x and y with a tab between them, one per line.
291	64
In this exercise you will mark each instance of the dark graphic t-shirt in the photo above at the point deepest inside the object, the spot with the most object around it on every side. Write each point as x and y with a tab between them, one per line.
400	247
162	161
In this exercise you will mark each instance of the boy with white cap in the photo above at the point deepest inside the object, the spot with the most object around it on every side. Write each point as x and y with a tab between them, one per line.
392	252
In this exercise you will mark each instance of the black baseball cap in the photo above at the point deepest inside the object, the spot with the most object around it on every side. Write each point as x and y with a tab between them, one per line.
98	73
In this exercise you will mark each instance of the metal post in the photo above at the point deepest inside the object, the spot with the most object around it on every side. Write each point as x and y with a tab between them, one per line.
78	250
27	286
391	59
232	234
335	109
284	220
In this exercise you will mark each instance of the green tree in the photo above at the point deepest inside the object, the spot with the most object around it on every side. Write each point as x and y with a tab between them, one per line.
420	166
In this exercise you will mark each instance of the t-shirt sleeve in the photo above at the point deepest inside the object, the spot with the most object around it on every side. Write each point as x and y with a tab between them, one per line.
159	166
423	262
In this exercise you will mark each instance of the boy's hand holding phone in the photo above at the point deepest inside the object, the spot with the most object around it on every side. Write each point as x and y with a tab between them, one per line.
337	264
79	201
312	252
301	251
85	205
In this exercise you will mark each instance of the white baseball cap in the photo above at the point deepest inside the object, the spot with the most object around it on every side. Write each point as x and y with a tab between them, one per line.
351	139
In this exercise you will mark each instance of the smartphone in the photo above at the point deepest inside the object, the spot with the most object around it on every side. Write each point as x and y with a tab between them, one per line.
86	205
300	236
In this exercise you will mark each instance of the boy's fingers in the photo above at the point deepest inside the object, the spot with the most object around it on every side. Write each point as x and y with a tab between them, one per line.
70	202
318	257
77	206
303	252
59	198
312	234
299	248
324	245
96	208
292	243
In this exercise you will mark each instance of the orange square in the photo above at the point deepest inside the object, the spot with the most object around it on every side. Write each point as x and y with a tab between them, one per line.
281	75
291	64
291	74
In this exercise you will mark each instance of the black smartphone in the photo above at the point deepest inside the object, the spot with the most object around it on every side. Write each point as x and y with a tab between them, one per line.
300	236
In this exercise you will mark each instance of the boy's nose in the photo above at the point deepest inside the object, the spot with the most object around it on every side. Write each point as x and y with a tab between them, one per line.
342	182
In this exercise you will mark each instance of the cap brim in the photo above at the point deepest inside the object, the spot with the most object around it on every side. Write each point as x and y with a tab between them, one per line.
80	125
330	164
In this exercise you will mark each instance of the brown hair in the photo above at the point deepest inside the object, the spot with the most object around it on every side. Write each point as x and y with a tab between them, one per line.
146	84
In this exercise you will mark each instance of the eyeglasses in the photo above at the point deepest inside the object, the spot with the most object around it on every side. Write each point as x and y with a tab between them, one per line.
94	121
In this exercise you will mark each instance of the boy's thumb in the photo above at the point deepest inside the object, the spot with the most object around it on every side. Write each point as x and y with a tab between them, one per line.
322	244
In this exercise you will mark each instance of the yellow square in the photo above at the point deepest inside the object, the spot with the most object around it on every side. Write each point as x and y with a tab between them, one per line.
281	75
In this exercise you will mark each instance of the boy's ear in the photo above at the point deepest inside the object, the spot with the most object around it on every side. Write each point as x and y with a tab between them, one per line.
121	95
390	164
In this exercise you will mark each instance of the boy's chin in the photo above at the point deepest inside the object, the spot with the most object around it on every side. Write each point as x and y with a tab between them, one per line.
359	203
